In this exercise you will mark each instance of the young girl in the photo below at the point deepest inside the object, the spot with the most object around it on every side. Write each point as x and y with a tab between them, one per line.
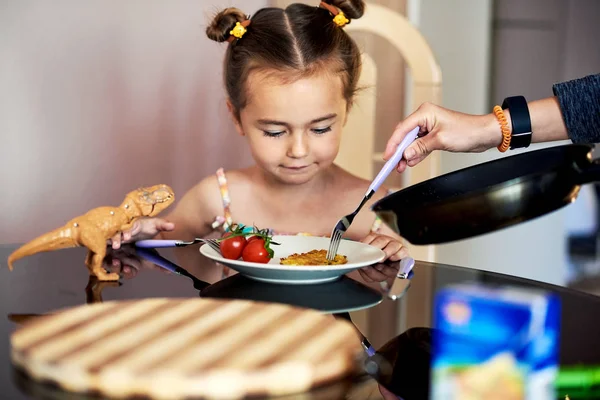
290	76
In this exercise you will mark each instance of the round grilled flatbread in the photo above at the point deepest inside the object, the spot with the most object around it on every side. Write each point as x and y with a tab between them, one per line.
176	348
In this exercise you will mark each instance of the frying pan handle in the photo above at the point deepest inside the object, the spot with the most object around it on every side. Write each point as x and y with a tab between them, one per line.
590	173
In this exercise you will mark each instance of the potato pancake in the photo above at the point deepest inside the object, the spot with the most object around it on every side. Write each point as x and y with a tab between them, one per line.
313	257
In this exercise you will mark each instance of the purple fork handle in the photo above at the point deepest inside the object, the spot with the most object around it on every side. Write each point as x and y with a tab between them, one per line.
156	243
392	162
406	265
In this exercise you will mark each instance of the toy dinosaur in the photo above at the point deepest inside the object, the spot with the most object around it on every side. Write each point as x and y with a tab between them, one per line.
95	227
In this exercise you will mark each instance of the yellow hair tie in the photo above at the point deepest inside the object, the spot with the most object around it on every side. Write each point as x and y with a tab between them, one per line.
341	19
238	30
338	16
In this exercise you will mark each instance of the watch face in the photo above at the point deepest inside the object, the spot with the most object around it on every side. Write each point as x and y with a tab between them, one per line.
520	119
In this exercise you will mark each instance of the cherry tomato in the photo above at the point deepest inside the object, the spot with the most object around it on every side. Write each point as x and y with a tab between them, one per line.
255	252
253	238
232	248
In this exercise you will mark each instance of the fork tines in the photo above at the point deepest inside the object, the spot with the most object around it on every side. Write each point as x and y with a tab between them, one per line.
214	245
336	237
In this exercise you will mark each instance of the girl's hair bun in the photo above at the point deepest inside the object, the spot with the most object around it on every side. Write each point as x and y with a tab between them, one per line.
353	9
223	22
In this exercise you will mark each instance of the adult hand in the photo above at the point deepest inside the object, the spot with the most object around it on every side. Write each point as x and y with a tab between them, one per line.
443	129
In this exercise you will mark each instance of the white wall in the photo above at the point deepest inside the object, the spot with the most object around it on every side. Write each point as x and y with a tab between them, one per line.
101	96
459	32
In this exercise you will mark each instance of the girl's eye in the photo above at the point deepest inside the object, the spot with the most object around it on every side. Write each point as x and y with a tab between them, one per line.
273	133
322	130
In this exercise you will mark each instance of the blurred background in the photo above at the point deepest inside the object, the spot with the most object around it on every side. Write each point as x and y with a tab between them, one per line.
102	96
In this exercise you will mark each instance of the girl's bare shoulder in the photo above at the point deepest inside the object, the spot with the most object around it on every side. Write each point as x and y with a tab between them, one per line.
350	182
356	186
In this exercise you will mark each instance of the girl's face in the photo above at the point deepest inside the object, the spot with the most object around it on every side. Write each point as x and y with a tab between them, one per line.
294	129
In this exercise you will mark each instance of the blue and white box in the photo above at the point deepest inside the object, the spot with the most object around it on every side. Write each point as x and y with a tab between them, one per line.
494	343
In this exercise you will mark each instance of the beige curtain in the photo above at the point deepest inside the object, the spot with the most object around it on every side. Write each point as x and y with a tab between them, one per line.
99	97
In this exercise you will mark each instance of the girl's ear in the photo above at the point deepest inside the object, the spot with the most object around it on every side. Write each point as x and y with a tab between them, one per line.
235	118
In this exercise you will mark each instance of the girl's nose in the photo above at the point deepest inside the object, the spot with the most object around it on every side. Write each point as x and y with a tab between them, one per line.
298	146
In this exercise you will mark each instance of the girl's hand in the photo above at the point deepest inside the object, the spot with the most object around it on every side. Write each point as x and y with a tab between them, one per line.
443	129
379	272
142	229
394	250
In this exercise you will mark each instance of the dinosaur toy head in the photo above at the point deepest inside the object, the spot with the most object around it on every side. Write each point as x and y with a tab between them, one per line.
150	200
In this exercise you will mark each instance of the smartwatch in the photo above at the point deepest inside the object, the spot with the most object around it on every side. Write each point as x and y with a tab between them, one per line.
521	122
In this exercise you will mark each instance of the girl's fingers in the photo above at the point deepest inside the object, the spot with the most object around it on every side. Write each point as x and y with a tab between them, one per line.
162	225
135	229
369	238
400	253
116	241
381	242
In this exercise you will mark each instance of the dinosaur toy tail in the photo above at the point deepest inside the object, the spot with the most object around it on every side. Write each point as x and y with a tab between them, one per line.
60	238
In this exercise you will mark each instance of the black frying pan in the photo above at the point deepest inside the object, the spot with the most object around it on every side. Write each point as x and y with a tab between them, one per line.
489	196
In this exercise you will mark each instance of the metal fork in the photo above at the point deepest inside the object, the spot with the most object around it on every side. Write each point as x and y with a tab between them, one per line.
343	224
157	243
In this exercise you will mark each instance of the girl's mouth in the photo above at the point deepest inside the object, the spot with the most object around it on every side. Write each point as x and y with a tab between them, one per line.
300	167
295	168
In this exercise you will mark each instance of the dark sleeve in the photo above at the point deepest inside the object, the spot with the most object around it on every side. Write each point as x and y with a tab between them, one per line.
579	101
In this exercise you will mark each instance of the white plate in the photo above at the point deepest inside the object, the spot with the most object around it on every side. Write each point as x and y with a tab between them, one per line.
359	255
